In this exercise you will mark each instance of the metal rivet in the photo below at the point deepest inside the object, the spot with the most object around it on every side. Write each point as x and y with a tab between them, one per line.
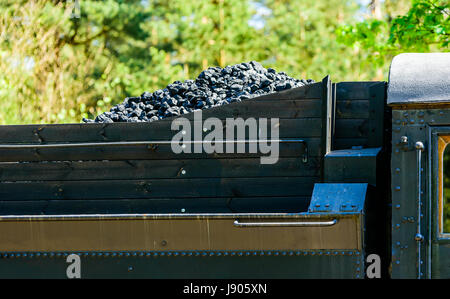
183	171
130	268
418	237
183	210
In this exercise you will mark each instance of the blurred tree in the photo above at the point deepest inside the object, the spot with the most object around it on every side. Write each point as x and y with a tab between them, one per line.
60	62
295	36
64	60
200	34
300	39
425	27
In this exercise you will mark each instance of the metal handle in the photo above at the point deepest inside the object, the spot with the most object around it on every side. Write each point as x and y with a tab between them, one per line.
419	237
273	224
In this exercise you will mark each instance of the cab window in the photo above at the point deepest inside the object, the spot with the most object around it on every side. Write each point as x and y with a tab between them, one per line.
444	205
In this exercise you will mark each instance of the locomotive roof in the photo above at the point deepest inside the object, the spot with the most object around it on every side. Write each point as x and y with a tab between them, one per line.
419	78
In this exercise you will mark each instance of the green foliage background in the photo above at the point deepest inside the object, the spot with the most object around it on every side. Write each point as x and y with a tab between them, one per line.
64	60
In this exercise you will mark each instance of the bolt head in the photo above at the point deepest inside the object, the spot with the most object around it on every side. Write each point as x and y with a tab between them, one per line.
419	145
419	237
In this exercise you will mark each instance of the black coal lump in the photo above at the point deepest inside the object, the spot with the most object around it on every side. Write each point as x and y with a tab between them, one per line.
214	87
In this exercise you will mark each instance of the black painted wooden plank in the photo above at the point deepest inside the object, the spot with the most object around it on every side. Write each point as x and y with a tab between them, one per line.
376	115
137	152
158	188
149	131
352	109
311	91
157	205
347	143
150	169
354	90
352	128
159	130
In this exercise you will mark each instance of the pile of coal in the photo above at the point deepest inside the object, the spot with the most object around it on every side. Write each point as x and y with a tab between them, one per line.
214	87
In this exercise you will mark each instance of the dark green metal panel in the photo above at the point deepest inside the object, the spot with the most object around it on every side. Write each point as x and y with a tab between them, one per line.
410	126
404	192
441	260
190	265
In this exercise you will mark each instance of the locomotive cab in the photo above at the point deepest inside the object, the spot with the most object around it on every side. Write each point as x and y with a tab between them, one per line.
419	95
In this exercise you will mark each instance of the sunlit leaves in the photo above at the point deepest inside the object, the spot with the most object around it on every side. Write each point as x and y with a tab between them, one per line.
424	28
